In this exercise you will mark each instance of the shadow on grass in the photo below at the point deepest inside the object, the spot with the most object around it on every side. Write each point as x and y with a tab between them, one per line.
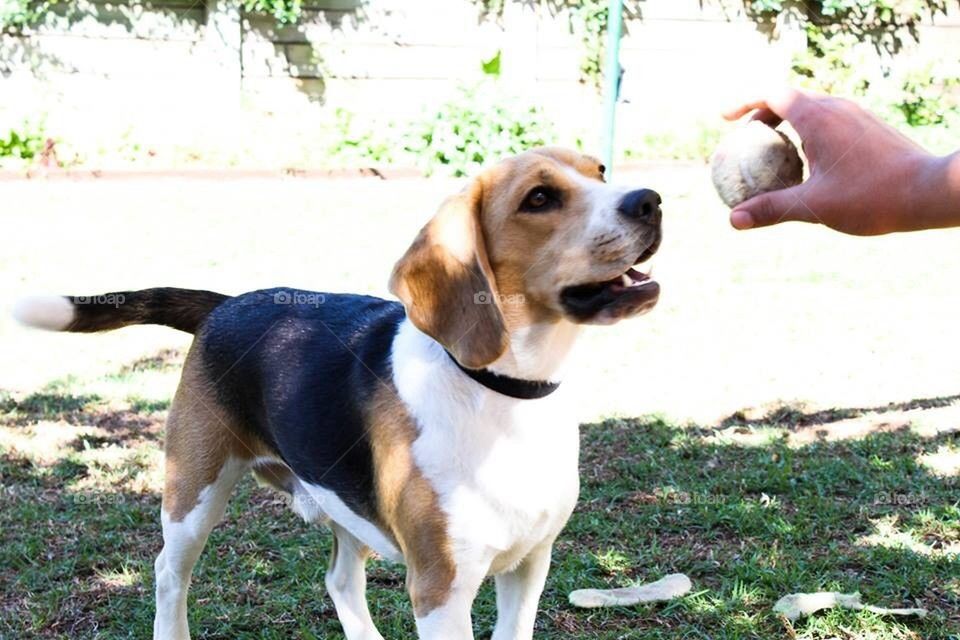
796	415
753	523
58	403
748	524
44	405
163	360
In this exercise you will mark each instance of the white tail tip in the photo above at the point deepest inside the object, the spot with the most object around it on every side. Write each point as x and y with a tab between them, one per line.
53	313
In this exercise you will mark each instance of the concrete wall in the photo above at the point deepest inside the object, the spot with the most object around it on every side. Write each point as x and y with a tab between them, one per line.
173	76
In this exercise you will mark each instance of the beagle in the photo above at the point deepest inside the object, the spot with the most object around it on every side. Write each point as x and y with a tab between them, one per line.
431	432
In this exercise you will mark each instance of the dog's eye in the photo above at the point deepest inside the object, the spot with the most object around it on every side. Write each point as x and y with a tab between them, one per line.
540	199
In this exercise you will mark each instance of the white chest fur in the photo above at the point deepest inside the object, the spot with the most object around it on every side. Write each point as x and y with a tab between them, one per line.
505	469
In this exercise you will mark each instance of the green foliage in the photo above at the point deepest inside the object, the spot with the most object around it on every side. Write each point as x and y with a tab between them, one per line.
837	62
587	19
930	95
17	15
831	63
354	142
477	126
884	23
283	11
491	67
24	143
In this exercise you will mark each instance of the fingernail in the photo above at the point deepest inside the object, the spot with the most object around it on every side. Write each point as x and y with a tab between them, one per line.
741	219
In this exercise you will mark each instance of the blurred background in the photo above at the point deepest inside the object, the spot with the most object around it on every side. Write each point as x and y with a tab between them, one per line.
439	85
236	144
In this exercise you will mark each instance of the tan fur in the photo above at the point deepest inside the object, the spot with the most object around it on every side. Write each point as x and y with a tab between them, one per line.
522	261
536	255
444	281
408	505
200	438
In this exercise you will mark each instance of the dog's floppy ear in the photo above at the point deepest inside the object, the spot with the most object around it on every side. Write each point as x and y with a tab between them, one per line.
447	286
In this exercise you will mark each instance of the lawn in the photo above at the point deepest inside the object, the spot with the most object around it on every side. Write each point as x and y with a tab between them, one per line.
786	420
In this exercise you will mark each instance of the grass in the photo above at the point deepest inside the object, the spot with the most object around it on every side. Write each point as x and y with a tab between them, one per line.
748	519
805	386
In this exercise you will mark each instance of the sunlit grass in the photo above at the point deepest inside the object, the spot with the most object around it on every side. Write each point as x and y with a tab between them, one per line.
748	523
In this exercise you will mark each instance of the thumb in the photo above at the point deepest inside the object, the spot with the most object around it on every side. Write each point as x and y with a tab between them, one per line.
773	208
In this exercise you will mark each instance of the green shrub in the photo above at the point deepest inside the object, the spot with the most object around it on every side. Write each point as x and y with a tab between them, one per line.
17	15
354	142
833	63
283	11
478	126
22	144
930	94
883	23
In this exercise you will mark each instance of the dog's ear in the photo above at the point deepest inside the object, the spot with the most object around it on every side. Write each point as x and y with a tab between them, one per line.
446	284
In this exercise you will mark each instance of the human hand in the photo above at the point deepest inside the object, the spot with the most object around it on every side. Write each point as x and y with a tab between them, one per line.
865	177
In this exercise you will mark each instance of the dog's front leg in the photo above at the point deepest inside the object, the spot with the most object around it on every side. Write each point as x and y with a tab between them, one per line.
443	611
518	594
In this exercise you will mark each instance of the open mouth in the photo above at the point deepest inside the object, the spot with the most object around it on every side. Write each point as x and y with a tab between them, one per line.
605	302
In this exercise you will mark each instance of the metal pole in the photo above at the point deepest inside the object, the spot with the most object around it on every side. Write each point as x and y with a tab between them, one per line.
611	80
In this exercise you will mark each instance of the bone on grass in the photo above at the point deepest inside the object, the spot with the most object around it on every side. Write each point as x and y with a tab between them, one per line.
666	588
795	605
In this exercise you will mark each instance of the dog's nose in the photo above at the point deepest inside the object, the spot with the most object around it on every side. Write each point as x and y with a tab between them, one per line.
642	205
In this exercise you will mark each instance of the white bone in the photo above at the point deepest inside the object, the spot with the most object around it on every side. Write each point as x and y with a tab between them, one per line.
796	605
666	588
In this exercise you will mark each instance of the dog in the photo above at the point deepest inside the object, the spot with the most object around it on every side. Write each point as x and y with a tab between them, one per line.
432	431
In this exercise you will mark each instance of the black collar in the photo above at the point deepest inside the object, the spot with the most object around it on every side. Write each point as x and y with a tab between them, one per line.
513	387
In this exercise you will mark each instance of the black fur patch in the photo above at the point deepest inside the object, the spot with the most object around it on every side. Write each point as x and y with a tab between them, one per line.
183	309
298	369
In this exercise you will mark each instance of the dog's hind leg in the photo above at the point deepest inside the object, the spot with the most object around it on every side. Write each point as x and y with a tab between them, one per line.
347	585
183	540
205	458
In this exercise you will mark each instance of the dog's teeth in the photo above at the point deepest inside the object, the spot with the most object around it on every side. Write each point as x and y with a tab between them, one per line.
625	279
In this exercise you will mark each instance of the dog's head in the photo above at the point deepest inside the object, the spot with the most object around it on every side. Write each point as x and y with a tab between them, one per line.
538	238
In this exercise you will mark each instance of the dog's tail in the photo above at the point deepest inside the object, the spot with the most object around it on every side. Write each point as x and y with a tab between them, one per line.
183	309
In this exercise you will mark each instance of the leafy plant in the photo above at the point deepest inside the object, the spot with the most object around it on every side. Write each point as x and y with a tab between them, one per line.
283	11
475	127
355	142
836	60
832	64
587	19
884	23
478	125
23	144
17	15
930	95
591	19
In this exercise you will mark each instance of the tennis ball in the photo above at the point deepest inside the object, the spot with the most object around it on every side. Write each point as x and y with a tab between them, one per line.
754	159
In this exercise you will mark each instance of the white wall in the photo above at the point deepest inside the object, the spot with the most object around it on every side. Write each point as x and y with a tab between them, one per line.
181	76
